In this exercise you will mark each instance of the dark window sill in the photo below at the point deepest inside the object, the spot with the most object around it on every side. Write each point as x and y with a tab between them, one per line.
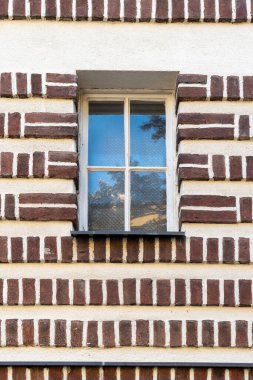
127	234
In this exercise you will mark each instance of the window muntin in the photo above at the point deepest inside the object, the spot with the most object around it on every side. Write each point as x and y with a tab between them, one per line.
133	187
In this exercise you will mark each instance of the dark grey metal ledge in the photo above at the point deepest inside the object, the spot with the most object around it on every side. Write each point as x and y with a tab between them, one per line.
127	234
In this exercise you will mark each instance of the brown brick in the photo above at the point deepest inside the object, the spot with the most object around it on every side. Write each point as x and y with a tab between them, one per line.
92	373
28	291
3	15
108	334
129	291
229	293
23	165
18	373
62	292
175	333
55	373
208	201
61	78
178	10
61	92
180	292
112	292
193	174
236	374
110	373
1	291
163	292
51	198
235	165
97	10
62	156
35	8
146	373
242	334
194	10
163	373
3	249
50	252
146	292
114	10
82	9
224	332
130	10
196	249
246	210
21	79
99	249
132	250
83	250
212	250
76	333
248	87
218	374
165	253
125	333
13	292
205	118
199	159
38	164
18	9
28	332
10	207
192	333
159	334
191	93
200	373
228	250
96	295
60	333
148	250
217	88
44	332
208	333
6	85
225	10
11	332
182	374
206	134
161	11
6	164
244	250
245	293
66	10
244	128
213	293
67	249
180	250
233	88
50	132
33	249
37	373
196	292
249	169
14	120
51	9
142	333
92	334
199	216
36	84
116	250
79	292
127	373
46	292
75	373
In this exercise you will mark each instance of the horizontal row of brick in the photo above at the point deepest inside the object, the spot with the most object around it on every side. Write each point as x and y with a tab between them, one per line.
64	249
204	167
38	206
195	87
38	165
130	11
126	333
215	209
38	125
50	85
123	373
130	291
207	126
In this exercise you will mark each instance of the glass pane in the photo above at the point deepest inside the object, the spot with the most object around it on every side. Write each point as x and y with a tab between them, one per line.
147	134
106	201
106	134
148	201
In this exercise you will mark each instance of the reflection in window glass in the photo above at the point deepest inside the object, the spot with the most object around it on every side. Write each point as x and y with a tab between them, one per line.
147	134
106	134
106	200
148	201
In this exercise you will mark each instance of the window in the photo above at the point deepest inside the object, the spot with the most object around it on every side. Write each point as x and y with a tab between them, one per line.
127	164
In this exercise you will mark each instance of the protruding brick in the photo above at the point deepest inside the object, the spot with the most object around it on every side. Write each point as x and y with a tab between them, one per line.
180	292
6	85
3	249
79	292
146	373
23	165
50	249
28	291
207	333
213	293
159	334
182	374
142	333
228	250
244	250
96	295
148	250
35	9
44	332
248	87
99	249
196	249
224	334
217	87
175	333
76	333
196	292
19	9
28	332
81	9
212	250
36	84
55	373
245	292
146	296
178	10
180	250
125	333
132	250
112	292
3	15
242	334
18	373
194	10
229	293
129	291
233	88
21	79
249	168
11	332
225	10
246	210
51	9
14	120
244	127
75	373
97	10
200	373
46	292
67	249
60	333
13	292
161	11
83	250
10	207
192	333
165	250
235	165
66	10
38	164
130	10
92	334
6	164
108	334
113	10
163	292
62	292
110	373
116	250
33	249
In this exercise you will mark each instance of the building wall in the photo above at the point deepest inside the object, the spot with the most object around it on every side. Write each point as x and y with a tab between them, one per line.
171	300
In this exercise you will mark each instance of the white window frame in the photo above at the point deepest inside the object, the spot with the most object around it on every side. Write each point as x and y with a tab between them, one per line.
169	169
